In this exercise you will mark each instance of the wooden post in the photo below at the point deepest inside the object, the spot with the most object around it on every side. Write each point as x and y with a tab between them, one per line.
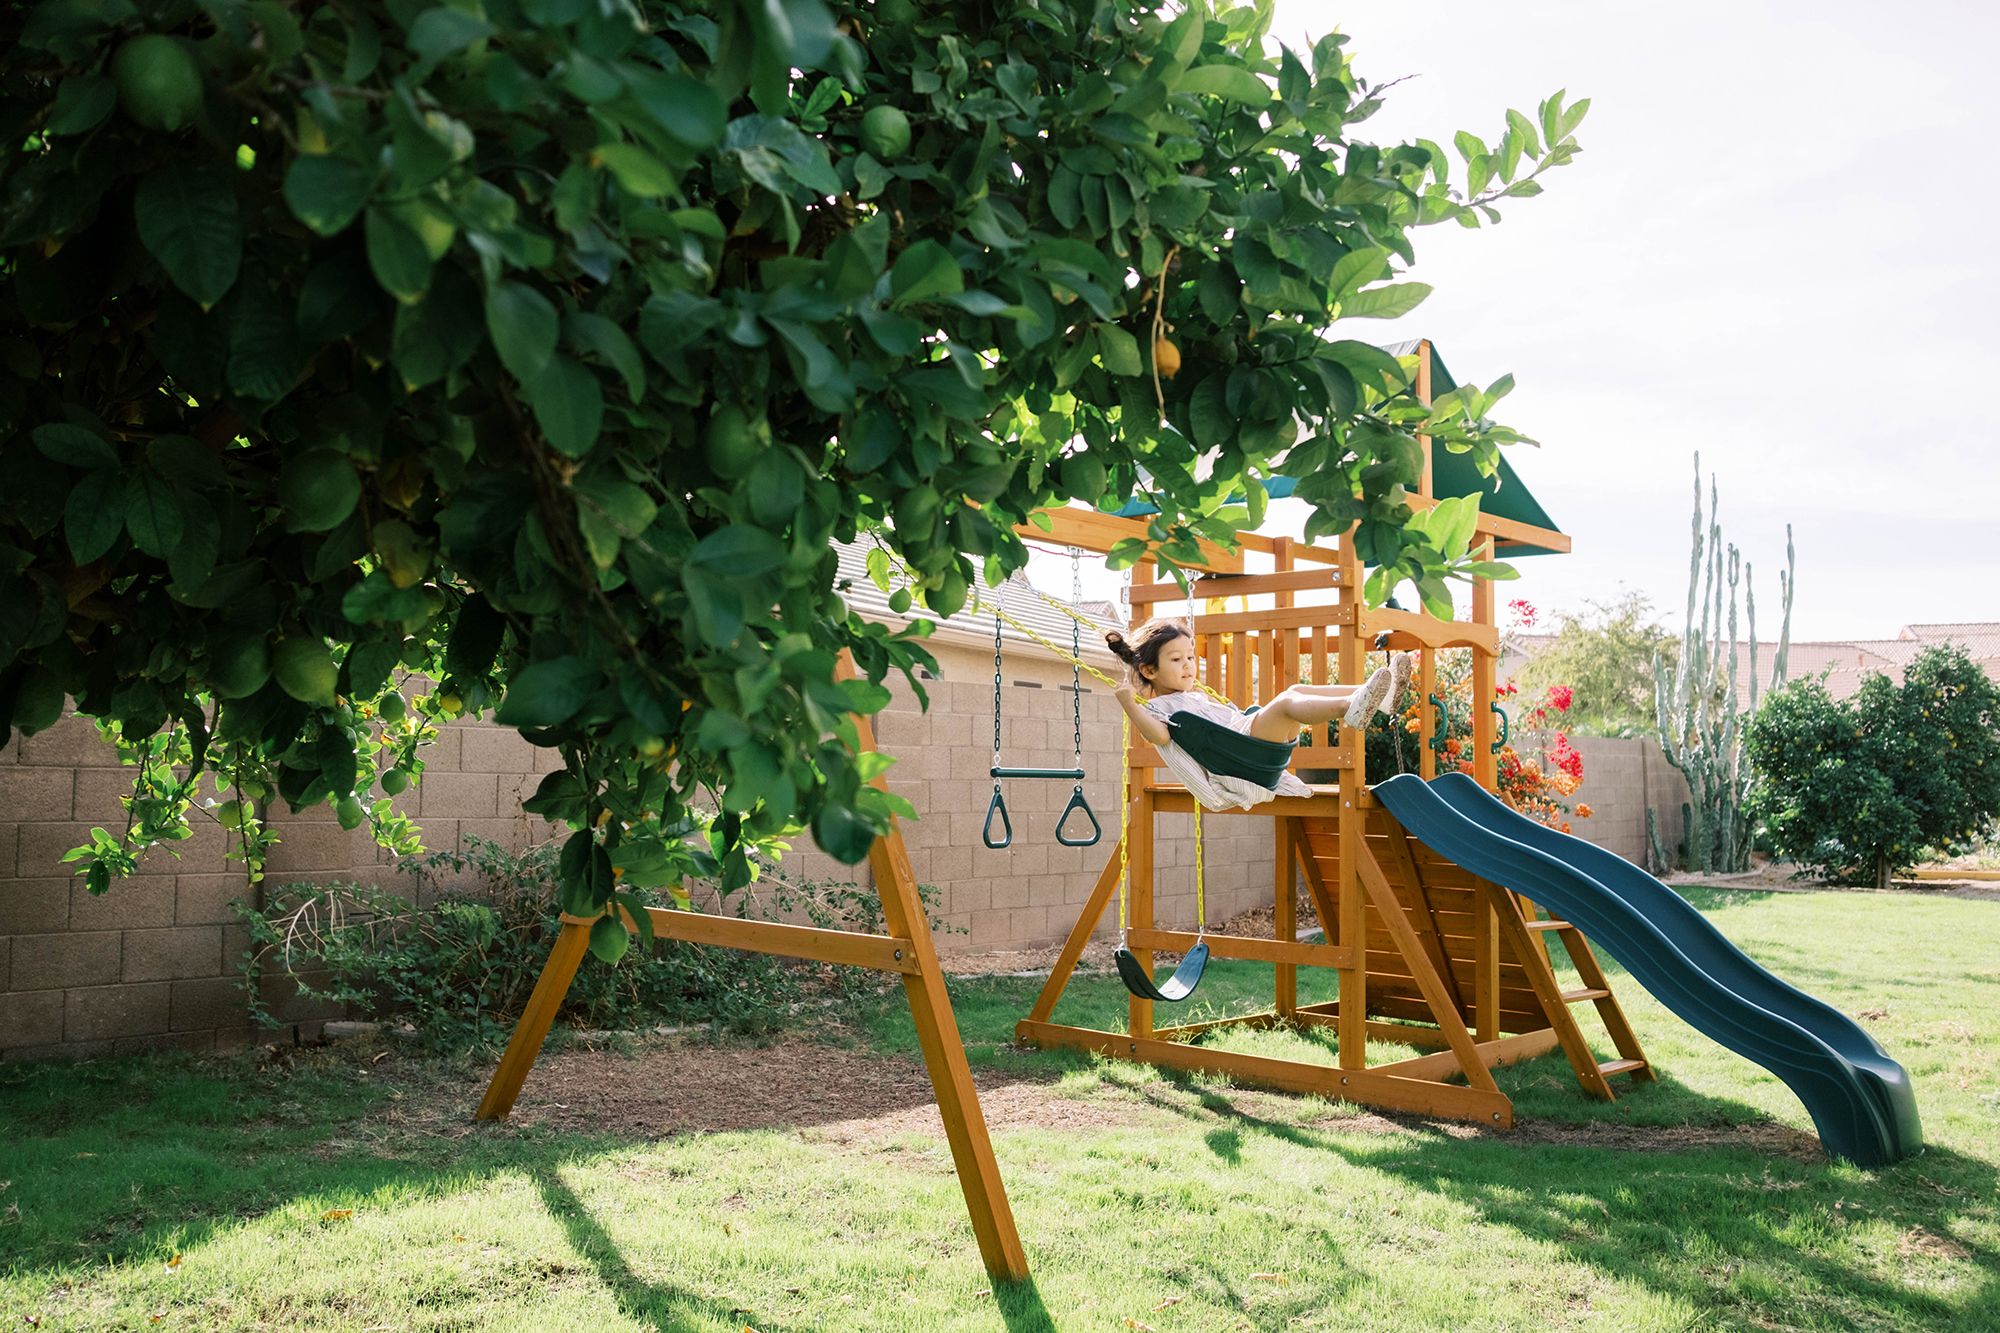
1425	486
1353	1022
1486	962
944	1052
1427	720
1485	691
1139	848
1285	997
533	1029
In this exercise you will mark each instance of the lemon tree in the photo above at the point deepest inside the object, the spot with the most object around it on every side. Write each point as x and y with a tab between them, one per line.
528	359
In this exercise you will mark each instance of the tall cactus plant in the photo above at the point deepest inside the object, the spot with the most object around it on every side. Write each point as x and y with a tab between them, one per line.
1700	721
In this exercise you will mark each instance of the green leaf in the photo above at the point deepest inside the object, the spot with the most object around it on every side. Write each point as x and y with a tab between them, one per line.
523	327
326	192
1389	302
1227	81
717	607
611	345
1369	364
436	335
637	171
75	446
441	31
397	254
152	513
82	103
685	108
548	693
317	490
568	406
739	550
1119	351
1357	268
189	221
923	271
842	833
94	515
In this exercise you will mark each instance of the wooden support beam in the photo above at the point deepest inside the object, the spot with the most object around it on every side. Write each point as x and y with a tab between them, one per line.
1094	531
1413	627
1428	982
1139	903
1079	934
1189	1030
1169	799
1487	1105
1247	585
884	953
1492	1054
944	1051
533	1029
1244	947
1486	962
1285	903
1296	617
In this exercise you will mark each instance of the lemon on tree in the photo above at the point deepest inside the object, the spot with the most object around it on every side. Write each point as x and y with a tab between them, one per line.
885	133
159	83
306	670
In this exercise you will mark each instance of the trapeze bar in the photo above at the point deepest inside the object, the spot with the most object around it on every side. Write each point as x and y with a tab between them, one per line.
1065	774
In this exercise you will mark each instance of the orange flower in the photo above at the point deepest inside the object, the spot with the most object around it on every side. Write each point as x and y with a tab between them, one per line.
1582	810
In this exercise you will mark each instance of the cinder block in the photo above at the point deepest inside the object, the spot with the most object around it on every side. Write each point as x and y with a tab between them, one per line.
41	793
34	906
442	755
459	795
143	900
991	929
203	900
54	962
70	743
321	849
1009	893
101	1013
1030	925
30	1018
173	953
490	749
209	1002
41	847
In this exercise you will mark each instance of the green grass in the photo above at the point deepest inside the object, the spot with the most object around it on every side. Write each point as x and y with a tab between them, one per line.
1683	1205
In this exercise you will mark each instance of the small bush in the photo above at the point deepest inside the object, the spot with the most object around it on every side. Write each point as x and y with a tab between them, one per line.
460	969
1860	788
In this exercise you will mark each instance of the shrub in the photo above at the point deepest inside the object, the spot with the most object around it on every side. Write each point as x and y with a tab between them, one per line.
1863	787
459	970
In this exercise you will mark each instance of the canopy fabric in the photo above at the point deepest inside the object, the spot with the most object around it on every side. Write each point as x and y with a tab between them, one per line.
1452	475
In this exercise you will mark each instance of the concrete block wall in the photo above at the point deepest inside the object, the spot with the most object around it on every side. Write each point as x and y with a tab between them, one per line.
153	962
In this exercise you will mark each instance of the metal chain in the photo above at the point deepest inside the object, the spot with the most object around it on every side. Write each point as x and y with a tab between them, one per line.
1076	656
999	599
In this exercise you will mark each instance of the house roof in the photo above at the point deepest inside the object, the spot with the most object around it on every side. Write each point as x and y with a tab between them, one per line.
973	625
1979	638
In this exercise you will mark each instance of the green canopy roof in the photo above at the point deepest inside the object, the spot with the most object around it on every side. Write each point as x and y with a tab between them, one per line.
1452	475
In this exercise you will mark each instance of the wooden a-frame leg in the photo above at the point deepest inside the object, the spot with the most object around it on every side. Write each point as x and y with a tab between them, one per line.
944	1056
533	1029
1079	936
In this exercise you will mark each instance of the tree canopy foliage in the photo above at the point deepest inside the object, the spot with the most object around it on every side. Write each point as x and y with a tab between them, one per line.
1894	775
544	348
1606	654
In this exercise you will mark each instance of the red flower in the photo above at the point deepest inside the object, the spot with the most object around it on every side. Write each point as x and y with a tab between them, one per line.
1561	696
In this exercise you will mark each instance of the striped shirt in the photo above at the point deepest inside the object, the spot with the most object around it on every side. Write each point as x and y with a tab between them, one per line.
1216	791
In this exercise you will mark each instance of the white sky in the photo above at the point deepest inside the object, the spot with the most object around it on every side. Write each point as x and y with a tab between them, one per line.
1778	246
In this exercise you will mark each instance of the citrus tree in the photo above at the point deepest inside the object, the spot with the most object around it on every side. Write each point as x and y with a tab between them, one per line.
542	349
1863	787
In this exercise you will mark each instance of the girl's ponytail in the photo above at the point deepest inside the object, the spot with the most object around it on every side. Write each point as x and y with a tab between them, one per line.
1120	649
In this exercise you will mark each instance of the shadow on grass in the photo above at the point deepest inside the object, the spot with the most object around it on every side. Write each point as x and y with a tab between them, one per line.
653	1304
1719	1226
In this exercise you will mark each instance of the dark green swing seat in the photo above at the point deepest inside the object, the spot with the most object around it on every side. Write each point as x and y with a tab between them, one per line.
1232	754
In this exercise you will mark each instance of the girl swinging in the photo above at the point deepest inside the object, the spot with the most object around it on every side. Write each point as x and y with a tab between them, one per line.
1193	731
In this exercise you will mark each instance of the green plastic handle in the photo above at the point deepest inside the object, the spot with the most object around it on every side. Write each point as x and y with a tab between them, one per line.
1502	741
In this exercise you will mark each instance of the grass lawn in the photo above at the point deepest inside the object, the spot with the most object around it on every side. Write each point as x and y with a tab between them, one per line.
804	1184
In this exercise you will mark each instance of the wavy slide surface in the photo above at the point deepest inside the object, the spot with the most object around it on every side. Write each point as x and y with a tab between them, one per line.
1859	1098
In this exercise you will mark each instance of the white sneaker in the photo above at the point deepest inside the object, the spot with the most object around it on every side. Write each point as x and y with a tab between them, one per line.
1367	699
1401	667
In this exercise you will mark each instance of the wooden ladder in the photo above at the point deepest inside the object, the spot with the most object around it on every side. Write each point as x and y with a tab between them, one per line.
1529	937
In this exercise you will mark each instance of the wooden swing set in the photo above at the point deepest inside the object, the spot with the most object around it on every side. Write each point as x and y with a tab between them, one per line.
1427	954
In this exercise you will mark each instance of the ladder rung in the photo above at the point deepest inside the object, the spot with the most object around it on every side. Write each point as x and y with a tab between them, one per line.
1610	1067
1585	993
1548	925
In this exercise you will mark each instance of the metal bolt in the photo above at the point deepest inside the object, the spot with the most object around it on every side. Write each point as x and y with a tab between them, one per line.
899	955
1135	1048
1343	1080
1496	1117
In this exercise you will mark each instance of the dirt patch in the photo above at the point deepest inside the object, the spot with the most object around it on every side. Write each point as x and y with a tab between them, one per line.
1771	1139
823	1091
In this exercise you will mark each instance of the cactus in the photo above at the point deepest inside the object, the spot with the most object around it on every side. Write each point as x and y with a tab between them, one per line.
1700	724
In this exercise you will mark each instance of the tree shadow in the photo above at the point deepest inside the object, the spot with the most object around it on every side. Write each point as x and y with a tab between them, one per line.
1681	1220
